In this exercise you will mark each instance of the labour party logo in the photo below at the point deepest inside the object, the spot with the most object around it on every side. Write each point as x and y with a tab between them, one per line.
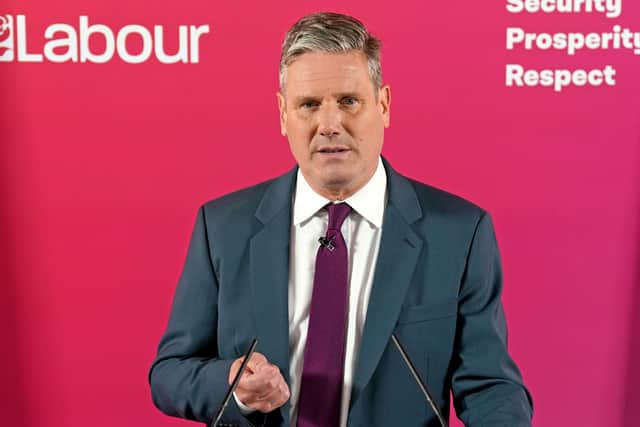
6	38
71	43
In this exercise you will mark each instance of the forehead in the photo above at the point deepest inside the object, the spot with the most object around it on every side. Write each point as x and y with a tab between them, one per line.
320	72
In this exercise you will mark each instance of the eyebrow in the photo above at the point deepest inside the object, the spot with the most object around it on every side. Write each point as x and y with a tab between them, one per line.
340	95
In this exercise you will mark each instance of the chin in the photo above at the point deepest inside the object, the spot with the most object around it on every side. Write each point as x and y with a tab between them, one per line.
336	184
334	175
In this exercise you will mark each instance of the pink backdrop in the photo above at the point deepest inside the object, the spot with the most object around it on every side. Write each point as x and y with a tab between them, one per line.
102	168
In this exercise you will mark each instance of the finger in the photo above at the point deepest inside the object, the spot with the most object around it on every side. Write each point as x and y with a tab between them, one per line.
255	400
264	407
259	386
276	398
256	361
282	396
266	403
267	378
276	388
254	364
270	396
235	367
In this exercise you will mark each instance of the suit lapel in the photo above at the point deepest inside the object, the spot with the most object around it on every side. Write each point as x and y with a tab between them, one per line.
269	270
400	247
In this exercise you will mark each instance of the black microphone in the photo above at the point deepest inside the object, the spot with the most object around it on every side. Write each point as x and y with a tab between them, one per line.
327	243
416	376
235	382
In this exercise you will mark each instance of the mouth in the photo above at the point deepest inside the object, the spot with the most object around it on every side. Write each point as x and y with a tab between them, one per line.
333	150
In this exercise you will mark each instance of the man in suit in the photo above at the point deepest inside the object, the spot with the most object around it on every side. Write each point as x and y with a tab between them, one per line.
324	263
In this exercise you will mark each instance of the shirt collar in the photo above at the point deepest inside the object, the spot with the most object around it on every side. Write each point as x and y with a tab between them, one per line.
368	201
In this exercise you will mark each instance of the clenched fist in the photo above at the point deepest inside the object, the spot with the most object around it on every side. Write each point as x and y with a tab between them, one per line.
261	386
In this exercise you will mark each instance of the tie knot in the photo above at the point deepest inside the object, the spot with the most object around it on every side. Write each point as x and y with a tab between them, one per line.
338	212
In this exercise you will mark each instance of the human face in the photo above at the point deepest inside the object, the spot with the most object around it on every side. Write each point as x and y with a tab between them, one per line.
334	118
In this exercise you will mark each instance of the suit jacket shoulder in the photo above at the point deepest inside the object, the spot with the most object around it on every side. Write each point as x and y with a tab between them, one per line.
237	204
444	204
444	219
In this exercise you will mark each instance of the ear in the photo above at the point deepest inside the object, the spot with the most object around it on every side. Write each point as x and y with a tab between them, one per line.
282	106
384	102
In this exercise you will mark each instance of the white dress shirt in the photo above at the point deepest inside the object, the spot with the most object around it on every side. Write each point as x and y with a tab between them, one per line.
362	231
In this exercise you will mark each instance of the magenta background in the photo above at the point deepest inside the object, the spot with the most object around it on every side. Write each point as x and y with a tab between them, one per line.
102	168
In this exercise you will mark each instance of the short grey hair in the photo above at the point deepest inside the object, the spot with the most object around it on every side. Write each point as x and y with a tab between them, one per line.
330	33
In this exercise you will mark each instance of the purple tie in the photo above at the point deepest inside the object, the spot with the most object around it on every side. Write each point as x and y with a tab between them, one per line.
322	373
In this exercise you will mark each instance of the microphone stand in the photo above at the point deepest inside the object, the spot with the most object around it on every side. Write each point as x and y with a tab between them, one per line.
235	382
416	376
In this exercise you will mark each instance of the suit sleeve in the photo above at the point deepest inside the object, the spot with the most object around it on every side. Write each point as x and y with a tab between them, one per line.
487	386
187	378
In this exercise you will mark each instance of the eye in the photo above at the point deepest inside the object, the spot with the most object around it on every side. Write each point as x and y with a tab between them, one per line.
309	104
349	101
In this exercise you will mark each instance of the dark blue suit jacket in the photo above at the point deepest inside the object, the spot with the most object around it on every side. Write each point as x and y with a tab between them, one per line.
437	284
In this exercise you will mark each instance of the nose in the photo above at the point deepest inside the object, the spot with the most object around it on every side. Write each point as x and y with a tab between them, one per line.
330	121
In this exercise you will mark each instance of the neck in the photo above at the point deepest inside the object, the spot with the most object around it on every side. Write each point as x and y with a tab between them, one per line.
335	194
338	192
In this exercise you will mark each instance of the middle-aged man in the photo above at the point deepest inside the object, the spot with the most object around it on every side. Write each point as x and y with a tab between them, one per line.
324	263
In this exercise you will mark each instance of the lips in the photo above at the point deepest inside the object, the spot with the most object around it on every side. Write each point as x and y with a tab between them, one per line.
332	150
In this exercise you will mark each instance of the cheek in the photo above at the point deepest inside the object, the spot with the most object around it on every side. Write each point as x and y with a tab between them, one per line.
299	145
299	126
300	137
367	133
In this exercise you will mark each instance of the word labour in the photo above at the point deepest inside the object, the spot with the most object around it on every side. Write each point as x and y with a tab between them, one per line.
66	43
